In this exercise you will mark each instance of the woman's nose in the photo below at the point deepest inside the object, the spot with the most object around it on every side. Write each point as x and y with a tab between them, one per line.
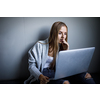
62	35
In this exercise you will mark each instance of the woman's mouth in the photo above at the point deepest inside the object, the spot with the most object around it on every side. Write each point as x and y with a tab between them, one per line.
61	40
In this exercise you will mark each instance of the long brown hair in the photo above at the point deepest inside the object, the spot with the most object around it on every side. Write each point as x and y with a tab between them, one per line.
53	40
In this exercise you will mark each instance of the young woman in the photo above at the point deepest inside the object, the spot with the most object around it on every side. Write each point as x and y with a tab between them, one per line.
42	58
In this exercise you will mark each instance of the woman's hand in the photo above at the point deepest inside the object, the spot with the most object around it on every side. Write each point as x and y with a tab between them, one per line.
65	45
43	79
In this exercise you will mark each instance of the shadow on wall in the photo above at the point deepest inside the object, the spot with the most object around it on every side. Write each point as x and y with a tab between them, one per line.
43	33
23	69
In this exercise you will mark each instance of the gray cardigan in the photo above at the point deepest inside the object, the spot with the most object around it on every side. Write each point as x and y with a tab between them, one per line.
37	58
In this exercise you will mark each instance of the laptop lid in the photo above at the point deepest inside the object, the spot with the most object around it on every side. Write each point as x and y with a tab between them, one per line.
73	62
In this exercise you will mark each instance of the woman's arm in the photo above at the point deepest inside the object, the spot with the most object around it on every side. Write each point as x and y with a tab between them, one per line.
34	58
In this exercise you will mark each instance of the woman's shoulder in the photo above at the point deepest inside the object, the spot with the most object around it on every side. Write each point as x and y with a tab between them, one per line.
43	41
40	43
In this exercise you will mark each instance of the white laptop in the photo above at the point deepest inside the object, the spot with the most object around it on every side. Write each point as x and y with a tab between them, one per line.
73	62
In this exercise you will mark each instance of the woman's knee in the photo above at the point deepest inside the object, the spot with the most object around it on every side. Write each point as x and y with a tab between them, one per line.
66	82
88	76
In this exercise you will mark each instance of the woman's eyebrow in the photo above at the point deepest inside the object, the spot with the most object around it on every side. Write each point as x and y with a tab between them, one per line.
66	32
62	32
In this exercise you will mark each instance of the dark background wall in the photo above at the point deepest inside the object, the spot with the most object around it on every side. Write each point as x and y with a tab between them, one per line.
18	35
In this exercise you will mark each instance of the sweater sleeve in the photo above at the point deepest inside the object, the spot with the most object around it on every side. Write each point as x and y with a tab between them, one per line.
34	54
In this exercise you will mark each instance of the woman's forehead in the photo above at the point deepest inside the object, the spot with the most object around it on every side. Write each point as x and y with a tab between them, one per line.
63	29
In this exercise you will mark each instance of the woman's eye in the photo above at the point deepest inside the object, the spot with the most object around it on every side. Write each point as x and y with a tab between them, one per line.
65	33
59	33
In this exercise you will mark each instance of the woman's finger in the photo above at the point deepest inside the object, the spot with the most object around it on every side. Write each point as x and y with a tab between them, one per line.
46	80
46	77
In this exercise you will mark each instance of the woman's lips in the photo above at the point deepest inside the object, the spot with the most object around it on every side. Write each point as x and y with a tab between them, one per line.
61	40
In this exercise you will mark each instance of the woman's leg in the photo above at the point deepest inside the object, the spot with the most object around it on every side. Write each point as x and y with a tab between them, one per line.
84	78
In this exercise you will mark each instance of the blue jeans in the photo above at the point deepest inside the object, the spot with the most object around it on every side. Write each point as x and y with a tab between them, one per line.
50	73
75	79
80	79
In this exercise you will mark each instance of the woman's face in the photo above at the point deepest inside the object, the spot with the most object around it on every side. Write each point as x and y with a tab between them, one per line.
62	34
